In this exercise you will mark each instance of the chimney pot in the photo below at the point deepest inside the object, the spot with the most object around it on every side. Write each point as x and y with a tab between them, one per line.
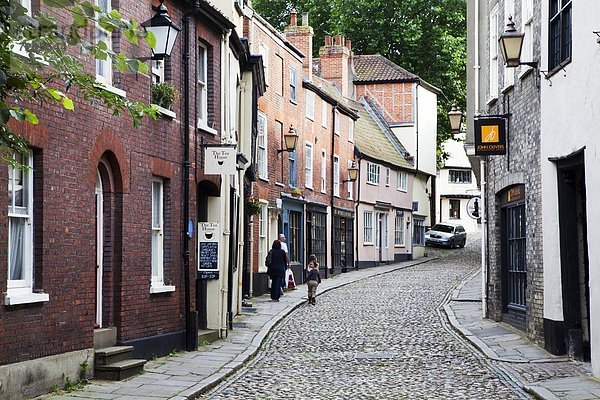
348	44
328	40
339	40
293	18
305	19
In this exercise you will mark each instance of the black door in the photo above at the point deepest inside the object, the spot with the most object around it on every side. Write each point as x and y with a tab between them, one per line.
574	256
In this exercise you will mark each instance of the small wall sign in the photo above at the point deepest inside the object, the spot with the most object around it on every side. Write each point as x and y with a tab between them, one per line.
474	207
219	160
490	136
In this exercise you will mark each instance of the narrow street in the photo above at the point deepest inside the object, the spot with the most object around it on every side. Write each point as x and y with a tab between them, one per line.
380	338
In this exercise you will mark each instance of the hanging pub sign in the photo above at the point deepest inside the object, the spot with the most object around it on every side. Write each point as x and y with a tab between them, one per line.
208	250
219	160
490	136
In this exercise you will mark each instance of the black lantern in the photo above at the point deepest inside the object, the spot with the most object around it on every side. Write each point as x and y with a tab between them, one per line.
455	117
290	139
511	44
164	30
352	172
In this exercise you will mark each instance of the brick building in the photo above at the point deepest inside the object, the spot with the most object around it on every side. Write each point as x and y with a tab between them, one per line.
512	224
94	232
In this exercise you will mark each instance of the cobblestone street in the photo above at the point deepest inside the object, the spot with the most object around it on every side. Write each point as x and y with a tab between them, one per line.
379	338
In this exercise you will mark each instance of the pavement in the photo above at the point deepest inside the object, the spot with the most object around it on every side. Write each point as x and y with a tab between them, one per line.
188	375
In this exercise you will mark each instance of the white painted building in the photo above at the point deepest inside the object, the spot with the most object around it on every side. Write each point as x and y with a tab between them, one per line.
570	172
455	187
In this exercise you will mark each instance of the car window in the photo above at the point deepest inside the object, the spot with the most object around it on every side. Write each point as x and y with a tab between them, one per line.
443	228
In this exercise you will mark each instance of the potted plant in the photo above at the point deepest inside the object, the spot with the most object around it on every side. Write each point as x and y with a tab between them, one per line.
164	94
296	192
252	205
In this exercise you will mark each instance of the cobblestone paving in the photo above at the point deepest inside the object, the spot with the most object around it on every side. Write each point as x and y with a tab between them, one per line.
380	338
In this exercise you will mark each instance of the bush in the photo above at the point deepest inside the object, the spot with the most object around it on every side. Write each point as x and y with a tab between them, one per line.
163	94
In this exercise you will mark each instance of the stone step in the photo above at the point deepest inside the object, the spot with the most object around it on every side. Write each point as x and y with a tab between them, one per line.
105	337
113	354
207	336
119	370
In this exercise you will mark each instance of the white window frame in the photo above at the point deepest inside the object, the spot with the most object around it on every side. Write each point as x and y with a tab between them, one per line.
402	181
368	227
310	105
293	85
509	73
158	71
104	69
263	219
308	165
350	130
399	231
373	171
493	56
527	24
20	291
158	266
324	114
263	50
323	171
261	147
349	182
202	87
336	176
338	123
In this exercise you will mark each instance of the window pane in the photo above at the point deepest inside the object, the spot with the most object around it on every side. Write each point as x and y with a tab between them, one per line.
156	204
156	248
16	243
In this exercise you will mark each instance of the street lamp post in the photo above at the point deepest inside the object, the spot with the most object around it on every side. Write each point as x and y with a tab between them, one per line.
166	32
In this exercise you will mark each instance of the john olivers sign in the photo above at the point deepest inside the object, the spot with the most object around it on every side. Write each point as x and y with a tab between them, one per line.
490	136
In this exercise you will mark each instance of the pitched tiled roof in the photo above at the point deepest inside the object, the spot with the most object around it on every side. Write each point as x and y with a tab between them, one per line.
332	91
375	139
377	68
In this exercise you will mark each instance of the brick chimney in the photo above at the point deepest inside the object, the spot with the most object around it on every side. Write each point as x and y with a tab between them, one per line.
301	36
334	57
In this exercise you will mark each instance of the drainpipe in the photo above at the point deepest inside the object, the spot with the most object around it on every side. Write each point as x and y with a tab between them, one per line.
191	330
484	228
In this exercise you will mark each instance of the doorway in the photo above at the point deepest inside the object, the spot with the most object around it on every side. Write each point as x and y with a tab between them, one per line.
99	249
574	255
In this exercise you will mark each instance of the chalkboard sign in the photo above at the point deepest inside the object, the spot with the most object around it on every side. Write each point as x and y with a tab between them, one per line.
209	256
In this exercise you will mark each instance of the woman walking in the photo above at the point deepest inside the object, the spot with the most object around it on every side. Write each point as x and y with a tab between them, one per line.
276	269
313	278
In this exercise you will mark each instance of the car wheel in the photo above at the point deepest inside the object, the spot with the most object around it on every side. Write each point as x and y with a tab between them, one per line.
451	244
463	243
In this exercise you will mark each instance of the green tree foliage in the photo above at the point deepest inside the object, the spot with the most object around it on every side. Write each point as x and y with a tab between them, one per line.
41	63
426	37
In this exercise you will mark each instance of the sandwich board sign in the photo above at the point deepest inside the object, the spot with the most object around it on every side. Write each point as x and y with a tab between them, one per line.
208	250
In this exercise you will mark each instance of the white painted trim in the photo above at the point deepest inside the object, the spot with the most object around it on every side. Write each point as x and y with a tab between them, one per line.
29	298
154	289
110	88
165	112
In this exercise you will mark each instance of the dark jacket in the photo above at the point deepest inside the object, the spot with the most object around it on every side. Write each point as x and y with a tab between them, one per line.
313	275
278	263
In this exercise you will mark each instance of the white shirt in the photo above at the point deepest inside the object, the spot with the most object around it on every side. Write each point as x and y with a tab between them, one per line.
284	247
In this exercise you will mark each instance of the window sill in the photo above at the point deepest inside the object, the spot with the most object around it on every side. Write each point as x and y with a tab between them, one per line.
27	298
372	183
262	178
205	128
279	184
294	102
491	100
111	89
558	68
402	190
154	289
311	118
399	246
525	72
368	244
165	112
309	187
507	88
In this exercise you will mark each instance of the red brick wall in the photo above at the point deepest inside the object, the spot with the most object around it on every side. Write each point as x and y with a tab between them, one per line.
395	100
67	148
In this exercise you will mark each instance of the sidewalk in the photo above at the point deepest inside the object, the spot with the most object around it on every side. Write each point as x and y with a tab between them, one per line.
187	375
535	370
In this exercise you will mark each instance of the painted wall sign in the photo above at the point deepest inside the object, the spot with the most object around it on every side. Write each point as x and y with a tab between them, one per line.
474	207
490	136
220	160
208	250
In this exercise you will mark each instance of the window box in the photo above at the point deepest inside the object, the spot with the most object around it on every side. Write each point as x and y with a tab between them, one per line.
155	289
25	298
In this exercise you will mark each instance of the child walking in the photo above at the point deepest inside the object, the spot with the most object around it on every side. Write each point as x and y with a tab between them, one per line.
313	278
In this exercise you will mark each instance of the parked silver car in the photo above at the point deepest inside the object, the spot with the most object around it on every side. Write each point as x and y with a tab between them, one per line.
446	235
